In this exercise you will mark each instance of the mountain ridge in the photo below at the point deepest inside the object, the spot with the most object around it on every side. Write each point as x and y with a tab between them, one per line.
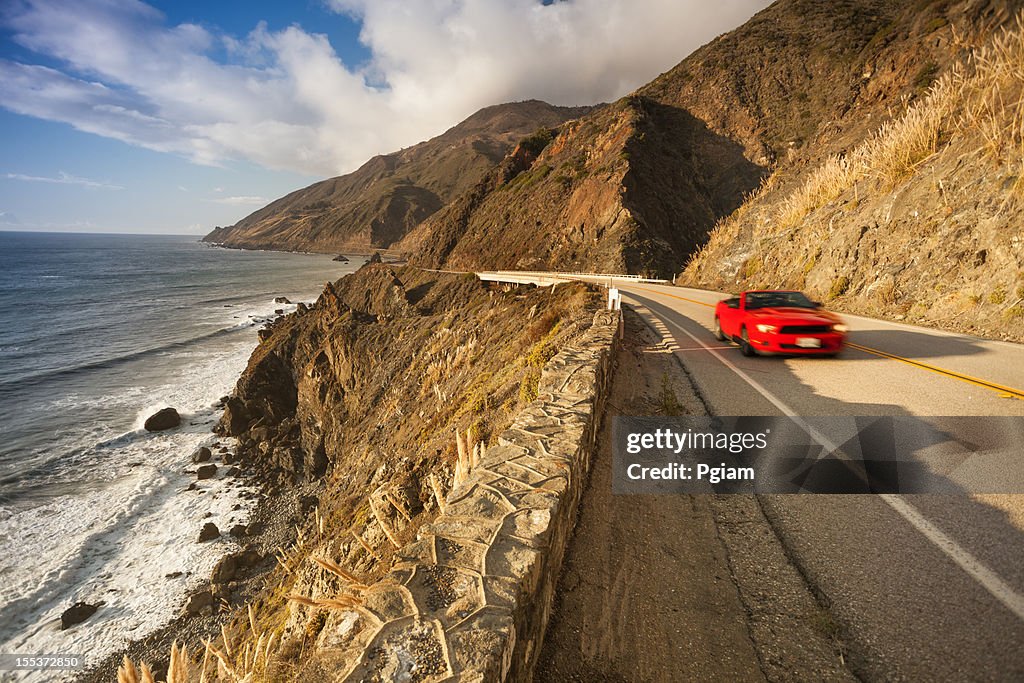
376	204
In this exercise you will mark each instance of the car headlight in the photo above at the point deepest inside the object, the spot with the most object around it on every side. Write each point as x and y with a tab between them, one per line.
767	329
840	328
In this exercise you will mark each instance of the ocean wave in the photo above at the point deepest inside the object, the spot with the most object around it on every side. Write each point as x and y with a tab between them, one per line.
253	319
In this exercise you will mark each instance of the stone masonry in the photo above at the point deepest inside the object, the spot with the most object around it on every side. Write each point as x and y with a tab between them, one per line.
470	598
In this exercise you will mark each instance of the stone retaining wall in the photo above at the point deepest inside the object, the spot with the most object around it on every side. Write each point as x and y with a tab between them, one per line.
470	598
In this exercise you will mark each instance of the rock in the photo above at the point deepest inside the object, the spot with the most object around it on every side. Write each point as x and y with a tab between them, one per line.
233	472
222	592
306	503
198	601
253	529
210	531
206	471
340	258
375	258
191	487
173	575
76	614
202	454
236	418
281	300
224	570
278	311
166	418
238	530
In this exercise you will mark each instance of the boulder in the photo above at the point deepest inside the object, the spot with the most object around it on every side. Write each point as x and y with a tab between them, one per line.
206	471
236	418
340	258
198	601
375	258
209	532
238	530
166	418
281	300
225	569
278	311
202	454
76	614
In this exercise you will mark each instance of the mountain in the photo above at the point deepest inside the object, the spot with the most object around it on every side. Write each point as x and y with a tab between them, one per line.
637	185
919	219
868	151
377	204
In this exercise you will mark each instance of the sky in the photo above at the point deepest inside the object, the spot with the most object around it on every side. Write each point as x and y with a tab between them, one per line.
176	117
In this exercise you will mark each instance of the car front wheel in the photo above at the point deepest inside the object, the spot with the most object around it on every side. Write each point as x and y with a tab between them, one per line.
718	330
746	348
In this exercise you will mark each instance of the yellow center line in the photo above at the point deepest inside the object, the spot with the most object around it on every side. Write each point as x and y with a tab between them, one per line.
1015	393
1008	391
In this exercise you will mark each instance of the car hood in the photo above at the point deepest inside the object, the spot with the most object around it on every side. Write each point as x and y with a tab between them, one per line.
792	315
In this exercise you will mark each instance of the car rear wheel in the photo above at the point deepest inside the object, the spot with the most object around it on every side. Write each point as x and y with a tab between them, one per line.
745	346
718	330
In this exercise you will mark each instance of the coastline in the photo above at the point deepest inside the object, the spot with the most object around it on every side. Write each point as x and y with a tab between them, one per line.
271	524
274	517
129	503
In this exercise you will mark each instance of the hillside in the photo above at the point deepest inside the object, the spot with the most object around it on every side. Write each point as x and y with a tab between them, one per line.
919	221
387	196
766	132
638	184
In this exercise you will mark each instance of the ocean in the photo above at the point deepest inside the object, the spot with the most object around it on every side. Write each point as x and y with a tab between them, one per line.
97	332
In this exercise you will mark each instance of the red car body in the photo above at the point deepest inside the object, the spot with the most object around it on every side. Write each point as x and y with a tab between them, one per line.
779	322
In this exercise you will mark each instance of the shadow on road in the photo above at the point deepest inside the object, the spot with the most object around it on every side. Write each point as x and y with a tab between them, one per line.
901	600
913	344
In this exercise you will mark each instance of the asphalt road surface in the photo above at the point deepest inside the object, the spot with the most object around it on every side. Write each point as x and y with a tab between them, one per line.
924	587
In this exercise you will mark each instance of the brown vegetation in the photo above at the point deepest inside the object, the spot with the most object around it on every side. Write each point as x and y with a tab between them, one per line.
916	221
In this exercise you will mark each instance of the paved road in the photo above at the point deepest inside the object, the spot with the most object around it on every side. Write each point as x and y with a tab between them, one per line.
926	587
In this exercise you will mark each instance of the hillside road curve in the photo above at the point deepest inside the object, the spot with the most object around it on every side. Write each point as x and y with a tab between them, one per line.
921	587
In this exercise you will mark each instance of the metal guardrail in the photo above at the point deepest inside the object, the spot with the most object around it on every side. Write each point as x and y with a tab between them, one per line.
547	278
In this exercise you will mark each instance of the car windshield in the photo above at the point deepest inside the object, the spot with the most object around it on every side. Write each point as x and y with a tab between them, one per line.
776	299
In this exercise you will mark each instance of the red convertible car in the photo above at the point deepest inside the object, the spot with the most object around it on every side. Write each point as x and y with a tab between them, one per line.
779	322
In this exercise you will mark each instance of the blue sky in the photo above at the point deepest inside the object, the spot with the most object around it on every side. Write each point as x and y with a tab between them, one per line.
174	117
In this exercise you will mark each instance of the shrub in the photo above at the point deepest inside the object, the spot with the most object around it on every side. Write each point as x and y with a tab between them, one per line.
839	286
752	267
535	143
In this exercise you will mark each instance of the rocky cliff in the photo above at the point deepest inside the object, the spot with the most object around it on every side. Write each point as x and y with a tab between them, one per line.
379	203
370	399
917	220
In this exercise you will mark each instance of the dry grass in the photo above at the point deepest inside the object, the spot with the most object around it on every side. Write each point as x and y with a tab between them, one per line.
979	103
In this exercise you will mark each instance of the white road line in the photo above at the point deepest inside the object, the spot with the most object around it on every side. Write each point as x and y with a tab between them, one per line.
986	578
1002	591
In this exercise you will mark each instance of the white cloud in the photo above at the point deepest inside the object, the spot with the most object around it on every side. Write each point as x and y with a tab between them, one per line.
8	218
285	100
242	200
63	178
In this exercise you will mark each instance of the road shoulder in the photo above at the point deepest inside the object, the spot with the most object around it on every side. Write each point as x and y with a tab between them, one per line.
666	588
